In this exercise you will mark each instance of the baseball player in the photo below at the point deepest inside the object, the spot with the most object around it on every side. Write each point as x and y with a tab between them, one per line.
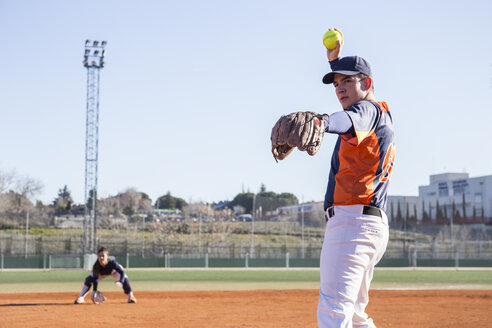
103	268
356	233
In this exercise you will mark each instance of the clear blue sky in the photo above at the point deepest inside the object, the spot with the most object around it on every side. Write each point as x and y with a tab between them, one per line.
192	89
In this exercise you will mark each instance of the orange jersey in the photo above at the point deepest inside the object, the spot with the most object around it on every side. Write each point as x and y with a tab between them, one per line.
362	161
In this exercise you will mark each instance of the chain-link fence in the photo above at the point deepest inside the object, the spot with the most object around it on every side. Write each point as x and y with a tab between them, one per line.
286	240
398	254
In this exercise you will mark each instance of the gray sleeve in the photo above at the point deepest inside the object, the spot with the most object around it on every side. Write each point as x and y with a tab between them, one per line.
338	122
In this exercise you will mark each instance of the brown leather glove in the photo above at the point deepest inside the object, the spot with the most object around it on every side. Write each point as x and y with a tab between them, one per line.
303	130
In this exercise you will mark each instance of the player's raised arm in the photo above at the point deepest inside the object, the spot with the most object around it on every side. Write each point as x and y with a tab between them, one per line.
333	41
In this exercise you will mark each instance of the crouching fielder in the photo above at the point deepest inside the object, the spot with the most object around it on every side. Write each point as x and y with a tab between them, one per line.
103	268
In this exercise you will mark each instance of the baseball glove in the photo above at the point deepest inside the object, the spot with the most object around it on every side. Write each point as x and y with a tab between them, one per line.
303	130
98	297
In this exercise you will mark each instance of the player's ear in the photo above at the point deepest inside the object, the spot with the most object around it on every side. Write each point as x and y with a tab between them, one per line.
367	83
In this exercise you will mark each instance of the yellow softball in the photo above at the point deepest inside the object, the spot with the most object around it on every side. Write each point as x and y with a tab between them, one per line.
331	37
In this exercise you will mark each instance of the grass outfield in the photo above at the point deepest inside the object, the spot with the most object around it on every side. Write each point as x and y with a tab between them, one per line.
40	281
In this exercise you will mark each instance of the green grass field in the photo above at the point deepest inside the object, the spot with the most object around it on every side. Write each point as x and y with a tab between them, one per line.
46	281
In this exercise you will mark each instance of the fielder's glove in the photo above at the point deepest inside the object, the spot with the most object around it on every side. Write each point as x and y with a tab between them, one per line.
303	130
97	297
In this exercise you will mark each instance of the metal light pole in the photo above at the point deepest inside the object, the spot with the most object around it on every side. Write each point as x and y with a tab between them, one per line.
143	237
94	62
252	242
27	232
200	233
302	232
451	223
482	200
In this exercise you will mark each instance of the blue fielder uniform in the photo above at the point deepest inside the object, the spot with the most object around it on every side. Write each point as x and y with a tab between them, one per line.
109	270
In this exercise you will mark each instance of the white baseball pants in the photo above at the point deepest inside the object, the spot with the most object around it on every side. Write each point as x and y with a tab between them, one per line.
354	243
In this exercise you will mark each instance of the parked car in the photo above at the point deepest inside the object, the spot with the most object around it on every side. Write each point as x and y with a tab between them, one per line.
245	218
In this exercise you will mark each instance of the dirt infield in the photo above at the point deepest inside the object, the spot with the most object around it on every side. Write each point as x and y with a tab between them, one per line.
254	308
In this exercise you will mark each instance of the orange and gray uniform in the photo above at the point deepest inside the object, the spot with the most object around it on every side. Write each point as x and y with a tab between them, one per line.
363	158
357	231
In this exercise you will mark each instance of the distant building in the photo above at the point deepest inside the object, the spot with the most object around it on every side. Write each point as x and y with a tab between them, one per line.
448	196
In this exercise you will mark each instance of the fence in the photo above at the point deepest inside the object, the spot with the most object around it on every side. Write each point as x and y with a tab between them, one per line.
46	262
16	244
237	244
416	254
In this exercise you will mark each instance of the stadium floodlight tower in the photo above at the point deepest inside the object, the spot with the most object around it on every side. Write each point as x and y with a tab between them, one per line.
94	62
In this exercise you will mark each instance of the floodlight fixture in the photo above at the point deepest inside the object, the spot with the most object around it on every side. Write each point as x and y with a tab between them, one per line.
94	53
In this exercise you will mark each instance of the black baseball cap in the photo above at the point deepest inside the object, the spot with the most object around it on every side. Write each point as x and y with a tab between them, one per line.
349	65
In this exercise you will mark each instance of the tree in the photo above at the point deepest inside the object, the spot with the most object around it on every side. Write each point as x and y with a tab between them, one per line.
126	200
138	200
168	201
464	205
270	201
7	181
17	191
288	198
62	204
425	216
64	193
28	187
267	194
129	210
407	212
398	212
243	199
195	210
438	210
267	200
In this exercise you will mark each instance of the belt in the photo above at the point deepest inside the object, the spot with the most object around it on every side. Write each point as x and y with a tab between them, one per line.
367	210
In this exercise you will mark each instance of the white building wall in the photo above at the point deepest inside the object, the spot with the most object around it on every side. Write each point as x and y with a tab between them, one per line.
452	188
444	190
